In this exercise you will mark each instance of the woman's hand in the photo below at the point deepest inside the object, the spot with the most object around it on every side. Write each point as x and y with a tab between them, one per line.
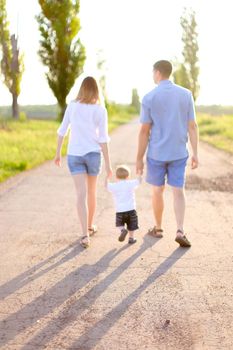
57	160
108	171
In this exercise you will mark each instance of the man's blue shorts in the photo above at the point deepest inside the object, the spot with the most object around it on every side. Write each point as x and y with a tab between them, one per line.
174	170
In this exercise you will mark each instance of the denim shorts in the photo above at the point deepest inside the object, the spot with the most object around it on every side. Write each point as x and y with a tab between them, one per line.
89	163
157	171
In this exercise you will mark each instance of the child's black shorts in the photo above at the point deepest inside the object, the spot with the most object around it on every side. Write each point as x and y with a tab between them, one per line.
130	218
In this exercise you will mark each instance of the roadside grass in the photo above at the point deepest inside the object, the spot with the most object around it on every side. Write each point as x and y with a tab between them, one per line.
217	131
26	144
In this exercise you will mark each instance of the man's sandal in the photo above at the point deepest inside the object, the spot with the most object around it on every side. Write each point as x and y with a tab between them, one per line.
92	230
155	232
85	242
182	240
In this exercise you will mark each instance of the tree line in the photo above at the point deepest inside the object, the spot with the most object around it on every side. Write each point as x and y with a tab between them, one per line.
63	53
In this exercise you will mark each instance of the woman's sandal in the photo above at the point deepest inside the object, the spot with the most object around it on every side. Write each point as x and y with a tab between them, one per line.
182	240
155	232
92	230
85	242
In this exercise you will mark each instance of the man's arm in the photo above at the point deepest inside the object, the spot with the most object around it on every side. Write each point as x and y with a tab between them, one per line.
194	138
143	140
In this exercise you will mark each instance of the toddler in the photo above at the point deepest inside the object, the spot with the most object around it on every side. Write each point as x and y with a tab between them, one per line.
123	191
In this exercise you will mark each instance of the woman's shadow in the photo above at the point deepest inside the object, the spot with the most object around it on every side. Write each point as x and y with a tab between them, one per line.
40	269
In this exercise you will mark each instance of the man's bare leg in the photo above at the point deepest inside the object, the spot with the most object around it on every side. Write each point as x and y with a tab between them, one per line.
158	205
179	208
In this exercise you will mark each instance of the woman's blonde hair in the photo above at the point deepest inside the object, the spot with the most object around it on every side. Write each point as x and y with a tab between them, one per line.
89	91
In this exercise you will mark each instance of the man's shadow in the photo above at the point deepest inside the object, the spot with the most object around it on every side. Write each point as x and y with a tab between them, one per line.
95	333
81	304
61	291
35	272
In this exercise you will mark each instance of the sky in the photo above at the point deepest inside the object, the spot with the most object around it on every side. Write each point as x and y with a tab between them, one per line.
132	36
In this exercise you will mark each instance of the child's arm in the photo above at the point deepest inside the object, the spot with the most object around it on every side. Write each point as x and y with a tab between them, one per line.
139	179
106	182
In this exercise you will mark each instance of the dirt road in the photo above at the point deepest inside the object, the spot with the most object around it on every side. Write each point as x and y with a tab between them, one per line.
152	295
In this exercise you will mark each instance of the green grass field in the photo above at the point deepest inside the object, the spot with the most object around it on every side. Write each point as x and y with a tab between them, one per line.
26	144
217	131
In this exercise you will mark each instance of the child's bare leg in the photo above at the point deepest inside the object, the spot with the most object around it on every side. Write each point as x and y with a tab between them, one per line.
131	237
131	234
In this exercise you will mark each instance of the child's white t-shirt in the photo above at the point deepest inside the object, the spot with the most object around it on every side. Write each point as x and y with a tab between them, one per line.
123	194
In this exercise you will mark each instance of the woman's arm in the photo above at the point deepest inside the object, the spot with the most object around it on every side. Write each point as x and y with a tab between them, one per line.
62	131
105	151
57	159
103	141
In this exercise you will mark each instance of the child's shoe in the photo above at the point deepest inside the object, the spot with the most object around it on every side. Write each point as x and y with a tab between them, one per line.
122	235
132	240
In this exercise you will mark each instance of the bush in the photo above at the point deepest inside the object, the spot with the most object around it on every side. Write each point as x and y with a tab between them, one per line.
22	116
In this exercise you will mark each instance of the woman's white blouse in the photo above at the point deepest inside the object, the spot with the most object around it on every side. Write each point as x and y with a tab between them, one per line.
88	124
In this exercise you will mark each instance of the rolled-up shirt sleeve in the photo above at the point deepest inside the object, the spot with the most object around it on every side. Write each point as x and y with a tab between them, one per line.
103	128
145	115
64	127
191	110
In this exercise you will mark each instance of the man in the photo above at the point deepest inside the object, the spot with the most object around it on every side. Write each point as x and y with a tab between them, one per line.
167	118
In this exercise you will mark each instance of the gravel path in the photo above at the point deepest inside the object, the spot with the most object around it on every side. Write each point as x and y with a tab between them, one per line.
152	295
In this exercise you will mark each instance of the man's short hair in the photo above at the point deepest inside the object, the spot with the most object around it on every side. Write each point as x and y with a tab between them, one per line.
164	67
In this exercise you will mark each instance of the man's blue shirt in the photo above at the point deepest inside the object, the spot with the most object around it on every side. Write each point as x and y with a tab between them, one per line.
168	108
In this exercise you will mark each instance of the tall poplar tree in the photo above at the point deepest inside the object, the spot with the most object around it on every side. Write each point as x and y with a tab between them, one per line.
12	66
188	72
60	47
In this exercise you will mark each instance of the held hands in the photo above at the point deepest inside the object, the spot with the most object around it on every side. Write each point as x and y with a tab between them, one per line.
108	169
194	162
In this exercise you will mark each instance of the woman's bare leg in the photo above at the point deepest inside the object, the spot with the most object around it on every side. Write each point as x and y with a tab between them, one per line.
80	181
91	198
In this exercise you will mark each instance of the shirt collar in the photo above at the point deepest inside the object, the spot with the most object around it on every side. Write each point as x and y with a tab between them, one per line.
165	82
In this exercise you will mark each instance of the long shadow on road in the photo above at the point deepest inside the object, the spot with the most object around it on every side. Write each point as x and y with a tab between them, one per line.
81	304
94	334
55	296
35	272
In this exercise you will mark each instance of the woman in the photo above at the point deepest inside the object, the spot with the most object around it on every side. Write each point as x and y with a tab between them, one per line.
88	122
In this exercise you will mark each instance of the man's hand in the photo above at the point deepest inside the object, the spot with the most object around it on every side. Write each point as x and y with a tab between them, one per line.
57	160
194	162
139	167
